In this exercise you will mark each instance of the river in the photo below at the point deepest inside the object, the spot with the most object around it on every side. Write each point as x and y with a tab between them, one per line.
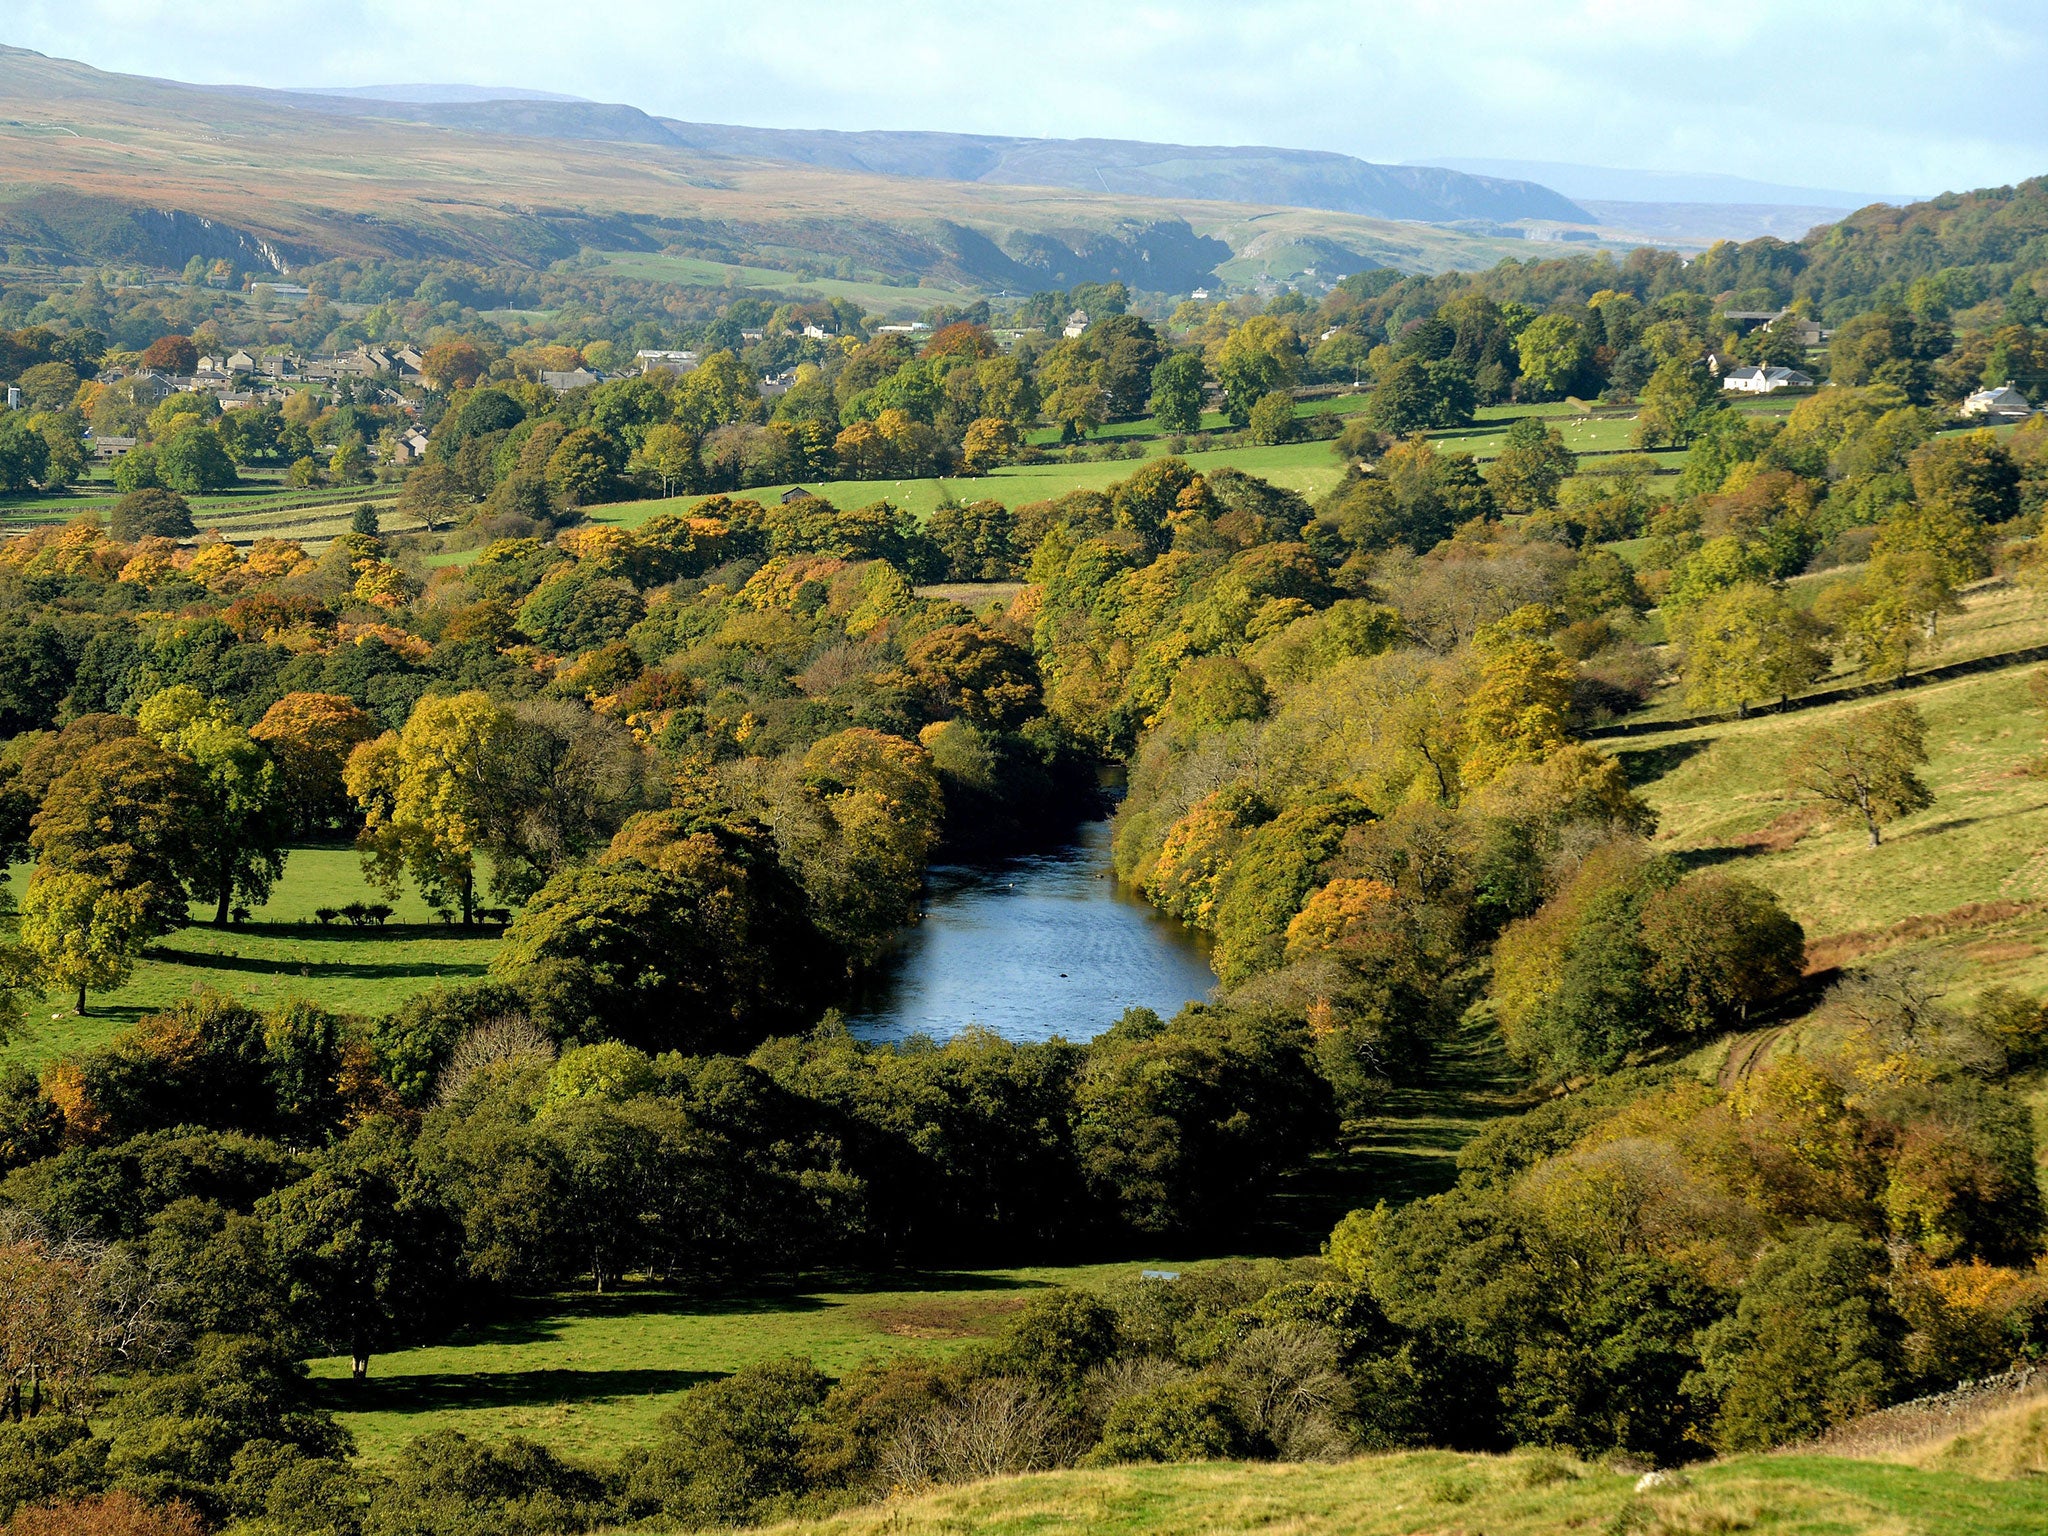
1032	947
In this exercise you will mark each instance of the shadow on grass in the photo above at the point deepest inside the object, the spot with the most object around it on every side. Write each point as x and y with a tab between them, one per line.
356	970
540	1319
494	1389
1646	765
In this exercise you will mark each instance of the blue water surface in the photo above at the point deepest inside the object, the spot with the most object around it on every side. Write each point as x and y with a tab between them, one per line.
1030	948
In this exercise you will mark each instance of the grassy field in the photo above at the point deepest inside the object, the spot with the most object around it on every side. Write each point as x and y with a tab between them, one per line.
282	953
1998	618
888	299
1722	798
262	506
592	1373
1444	1493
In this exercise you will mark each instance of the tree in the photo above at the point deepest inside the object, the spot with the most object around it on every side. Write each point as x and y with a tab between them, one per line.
706	952
310	737
151	513
1253	361
1722	946
1532	464
1177	392
1272	418
430	794
1969	474
453	364
1894	608
1554	353
239	822
171	354
990	442
366	1251
24	454
192	460
671	453
584	467
1677	403
82	933
123	815
1747	644
1813	1341
364	521
1518	711
1865	764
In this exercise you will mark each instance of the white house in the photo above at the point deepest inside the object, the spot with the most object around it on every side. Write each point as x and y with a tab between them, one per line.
1199	293
2001	404
1077	323
1764	381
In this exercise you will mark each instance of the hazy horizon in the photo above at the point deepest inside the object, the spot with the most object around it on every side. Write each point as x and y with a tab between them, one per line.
1803	96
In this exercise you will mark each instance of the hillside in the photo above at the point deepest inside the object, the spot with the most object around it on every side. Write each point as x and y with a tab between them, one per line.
100	168
1221	173
1435	1491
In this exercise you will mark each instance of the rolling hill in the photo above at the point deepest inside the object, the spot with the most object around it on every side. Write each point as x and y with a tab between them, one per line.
105	168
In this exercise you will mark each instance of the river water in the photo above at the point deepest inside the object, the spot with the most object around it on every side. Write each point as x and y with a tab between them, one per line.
1032	947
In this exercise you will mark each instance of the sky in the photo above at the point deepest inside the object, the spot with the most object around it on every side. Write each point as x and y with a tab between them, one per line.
1873	96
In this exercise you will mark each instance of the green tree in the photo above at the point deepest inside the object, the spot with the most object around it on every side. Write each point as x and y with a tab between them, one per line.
1532	465
690	934
1681	398
1722	946
1177	392
1813	1342
1252	362
240	819
364	521
24	454
365	1249
1272	418
192	460
151	513
1865	764
584	468
1555	354
670	453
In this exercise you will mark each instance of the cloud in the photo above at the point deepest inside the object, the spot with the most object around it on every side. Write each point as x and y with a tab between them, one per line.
1881	95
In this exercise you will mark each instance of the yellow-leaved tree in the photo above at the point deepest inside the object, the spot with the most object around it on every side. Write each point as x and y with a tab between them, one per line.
428	794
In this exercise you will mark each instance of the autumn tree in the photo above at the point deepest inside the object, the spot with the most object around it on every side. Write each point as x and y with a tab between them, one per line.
1747	644
1865	764
453	364
1518	711
310	737
123	816
80	933
171	354
990	441
429	794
